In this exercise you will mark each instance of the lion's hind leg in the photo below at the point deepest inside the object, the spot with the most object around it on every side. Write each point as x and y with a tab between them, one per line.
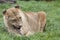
42	20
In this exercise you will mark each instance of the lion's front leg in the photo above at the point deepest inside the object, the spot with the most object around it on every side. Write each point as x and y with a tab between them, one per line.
29	33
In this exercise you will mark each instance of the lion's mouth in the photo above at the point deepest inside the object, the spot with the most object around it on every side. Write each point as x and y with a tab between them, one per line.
16	27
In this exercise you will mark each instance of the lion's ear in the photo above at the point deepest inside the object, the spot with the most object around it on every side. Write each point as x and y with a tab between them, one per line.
4	11
17	6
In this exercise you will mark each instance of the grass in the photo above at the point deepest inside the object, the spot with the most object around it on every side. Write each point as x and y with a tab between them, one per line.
52	29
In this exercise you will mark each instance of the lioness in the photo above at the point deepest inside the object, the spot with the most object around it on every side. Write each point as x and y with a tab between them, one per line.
24	23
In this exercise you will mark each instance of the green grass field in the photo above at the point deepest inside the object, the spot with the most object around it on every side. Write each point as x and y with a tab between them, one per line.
52	29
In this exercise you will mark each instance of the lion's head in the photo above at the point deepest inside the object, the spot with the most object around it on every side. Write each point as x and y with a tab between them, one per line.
13	18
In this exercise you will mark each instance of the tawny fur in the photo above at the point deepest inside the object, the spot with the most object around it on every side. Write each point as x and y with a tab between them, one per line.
32	22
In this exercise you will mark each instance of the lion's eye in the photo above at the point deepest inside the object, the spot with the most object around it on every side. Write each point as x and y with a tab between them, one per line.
14	20
20	18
